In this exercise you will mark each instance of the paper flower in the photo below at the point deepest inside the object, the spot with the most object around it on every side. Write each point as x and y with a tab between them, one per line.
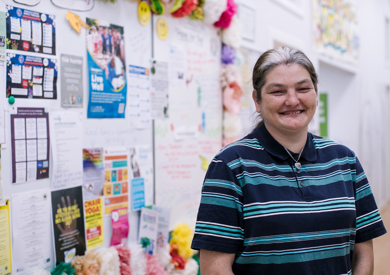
186	9
230	73
198	13
164	258
212	10
228	55
153	266
191	268
157	7
137	260
232	125
232	35
63	269
109	261
227	15
182	237
177	260
232	98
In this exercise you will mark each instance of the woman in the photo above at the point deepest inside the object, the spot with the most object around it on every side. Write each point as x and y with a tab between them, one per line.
281	200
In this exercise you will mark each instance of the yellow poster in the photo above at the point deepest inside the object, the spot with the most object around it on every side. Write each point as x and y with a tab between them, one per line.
5	240
94	222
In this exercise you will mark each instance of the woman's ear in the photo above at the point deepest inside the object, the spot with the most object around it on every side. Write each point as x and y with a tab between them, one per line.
254	97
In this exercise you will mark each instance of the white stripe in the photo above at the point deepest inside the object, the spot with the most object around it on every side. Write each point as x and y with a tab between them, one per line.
297	249
300	212
214	235
325	146
222	225
362	216
368	224
301	202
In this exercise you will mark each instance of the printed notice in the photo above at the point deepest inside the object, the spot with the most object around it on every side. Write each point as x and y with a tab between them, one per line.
160	89
5	240
71	81
94	222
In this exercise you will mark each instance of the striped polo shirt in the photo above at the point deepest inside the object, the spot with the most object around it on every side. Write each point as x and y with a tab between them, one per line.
278	220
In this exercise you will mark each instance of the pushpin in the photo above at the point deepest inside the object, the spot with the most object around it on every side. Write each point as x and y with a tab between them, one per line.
11	100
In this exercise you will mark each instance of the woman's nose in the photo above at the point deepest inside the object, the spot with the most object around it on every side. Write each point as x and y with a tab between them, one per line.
292	98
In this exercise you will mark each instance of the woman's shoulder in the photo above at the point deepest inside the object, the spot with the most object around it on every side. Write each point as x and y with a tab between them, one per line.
328	146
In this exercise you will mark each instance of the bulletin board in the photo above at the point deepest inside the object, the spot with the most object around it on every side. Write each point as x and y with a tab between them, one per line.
72	100
190	134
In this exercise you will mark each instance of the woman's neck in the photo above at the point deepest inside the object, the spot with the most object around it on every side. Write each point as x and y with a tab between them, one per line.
292	141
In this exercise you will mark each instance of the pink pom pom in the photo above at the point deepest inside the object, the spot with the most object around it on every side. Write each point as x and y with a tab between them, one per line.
186	9
125	269
153	267
123	253
226	17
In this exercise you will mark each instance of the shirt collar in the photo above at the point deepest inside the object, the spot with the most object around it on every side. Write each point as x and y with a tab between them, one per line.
276	149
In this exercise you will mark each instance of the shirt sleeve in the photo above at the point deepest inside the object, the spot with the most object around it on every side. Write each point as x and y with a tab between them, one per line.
219	225
369	223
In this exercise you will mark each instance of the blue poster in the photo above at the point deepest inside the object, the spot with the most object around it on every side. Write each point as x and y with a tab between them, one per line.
137	193
31	76
30	31
106	70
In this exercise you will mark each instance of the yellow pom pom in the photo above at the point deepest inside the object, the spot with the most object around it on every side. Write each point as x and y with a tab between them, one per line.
182	236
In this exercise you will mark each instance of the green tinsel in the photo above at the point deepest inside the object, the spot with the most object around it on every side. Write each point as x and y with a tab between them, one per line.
63	268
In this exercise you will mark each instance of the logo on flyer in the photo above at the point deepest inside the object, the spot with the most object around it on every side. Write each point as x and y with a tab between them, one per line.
19	12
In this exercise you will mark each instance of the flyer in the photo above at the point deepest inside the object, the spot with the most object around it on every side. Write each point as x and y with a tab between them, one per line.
5	240
71	81
30	141
31	231
3	34
68	227
148	228
31	76
116	182
106	70
94	222
30	31
93	173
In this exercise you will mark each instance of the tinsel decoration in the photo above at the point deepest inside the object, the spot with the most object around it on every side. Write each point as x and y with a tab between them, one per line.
230	73
228	55
191	268
232	98
109	261
157	7
232	127
137	260
176	259
176	5
213	10
182	237
63	269
226	17
232	35
153	266
186	9
198	13
124	259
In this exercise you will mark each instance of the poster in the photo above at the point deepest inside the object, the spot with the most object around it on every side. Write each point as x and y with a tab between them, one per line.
148	228
137	194
160	89
65	129
31	76
74	4
30	141
3	34
116	180
30	31
106	70
68	218
93	173
336	29
139	97
2	201
5	240
94	222
71	81
31	231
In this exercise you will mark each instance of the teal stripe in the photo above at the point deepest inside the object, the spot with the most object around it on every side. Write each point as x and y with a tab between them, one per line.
272	205
352	206
298	237
224	184
219	233
363	193
367	222
225	202
360	177
220	228
370	218
299	257
259	179
268	167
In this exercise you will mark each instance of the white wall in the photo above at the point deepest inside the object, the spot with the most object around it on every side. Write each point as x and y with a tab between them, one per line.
358	95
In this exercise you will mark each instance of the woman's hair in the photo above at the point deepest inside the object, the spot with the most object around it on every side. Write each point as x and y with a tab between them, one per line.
274	57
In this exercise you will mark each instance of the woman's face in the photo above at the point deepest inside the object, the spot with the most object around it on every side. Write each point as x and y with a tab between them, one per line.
288	100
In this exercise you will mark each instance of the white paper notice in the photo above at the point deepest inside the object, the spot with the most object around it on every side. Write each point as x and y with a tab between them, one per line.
49	79
19	128
20	150
20	169
31	170
47	35
37	90
15	24
26	29
42	127
42	149
36	33
38	71
31	127
66	141
27	72
31	229
31	149
16	73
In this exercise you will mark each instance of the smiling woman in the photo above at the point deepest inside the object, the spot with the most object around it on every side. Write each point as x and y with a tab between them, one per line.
281	200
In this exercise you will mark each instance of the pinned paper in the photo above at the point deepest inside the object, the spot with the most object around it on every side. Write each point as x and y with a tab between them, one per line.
75	21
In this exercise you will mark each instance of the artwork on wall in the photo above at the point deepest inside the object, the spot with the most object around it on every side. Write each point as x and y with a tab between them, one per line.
335	29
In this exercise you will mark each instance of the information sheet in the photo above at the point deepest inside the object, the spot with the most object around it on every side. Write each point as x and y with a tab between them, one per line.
31	231
31	76
93	173
3	36
65	129
71	81
139	97
68	223
160	89
148	228
94	222
30	144
116	183
106	70
30	31
5	240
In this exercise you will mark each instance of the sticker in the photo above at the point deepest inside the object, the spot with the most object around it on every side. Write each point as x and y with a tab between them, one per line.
162	28
143	13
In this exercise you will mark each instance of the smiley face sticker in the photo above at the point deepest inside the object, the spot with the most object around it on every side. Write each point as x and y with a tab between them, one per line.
143	13
162	28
